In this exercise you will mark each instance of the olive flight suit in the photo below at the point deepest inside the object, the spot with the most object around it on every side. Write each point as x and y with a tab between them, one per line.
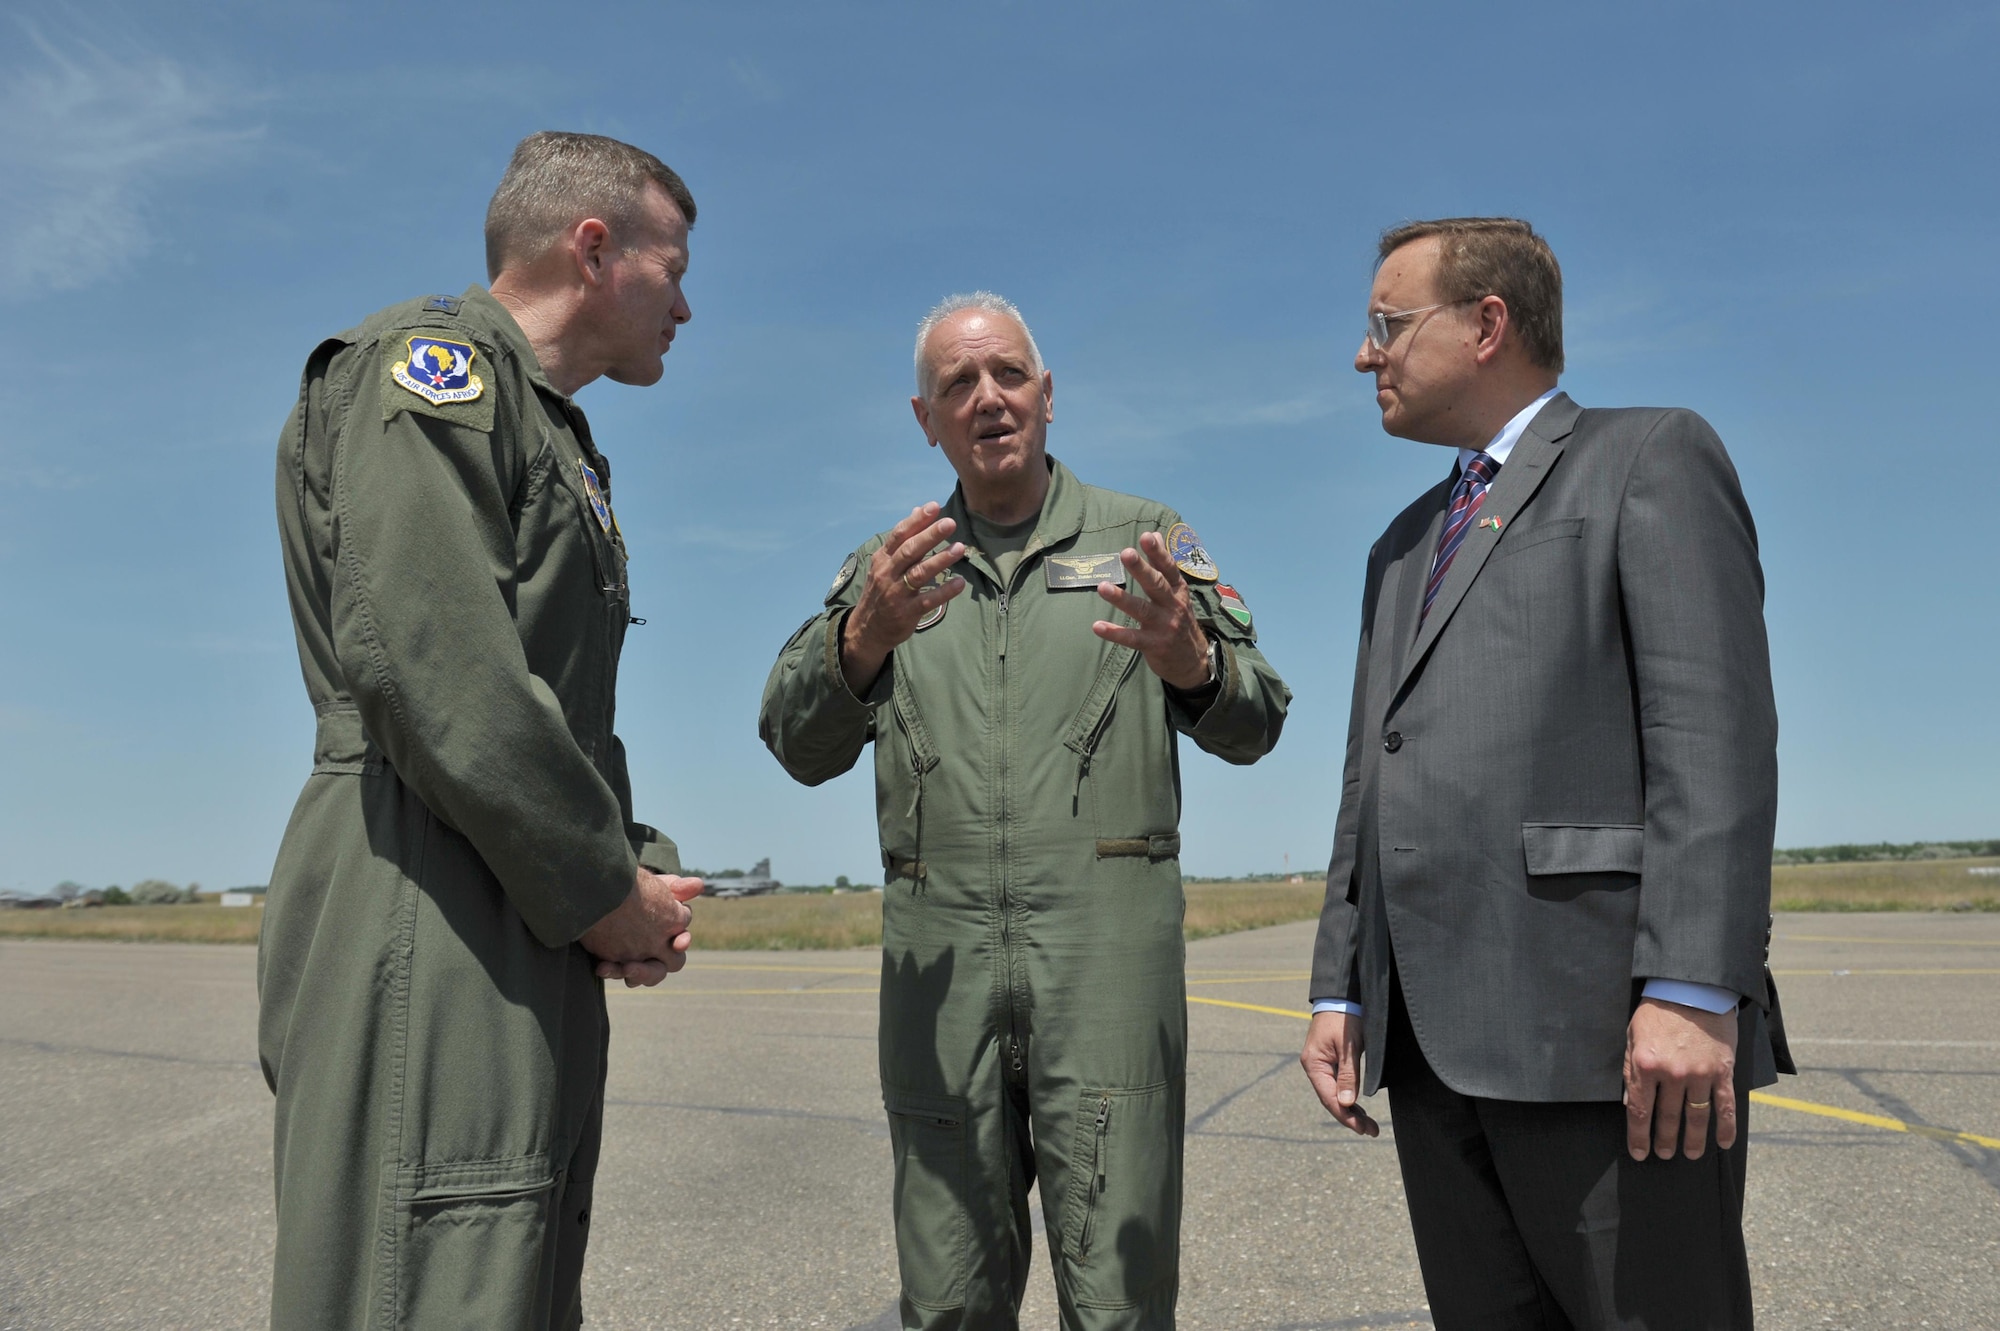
1033	1009
434	1035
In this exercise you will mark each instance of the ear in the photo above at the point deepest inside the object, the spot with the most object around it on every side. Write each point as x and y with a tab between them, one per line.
1048	397
923	411
590	249
1495	323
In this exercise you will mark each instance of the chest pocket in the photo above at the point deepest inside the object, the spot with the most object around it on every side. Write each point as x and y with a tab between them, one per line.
606	550
902	824
1093	718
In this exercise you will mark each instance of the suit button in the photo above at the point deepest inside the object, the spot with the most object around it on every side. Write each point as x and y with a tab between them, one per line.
1393	741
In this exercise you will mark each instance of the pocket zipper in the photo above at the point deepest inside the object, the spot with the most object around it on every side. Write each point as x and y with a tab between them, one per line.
1097	1177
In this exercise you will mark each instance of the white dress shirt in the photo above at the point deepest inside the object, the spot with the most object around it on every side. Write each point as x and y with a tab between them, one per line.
1706	997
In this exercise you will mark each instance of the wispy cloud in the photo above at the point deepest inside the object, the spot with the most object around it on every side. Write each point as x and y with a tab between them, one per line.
86	136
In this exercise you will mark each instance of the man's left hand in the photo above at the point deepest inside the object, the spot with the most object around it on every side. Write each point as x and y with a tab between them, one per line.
1168	635
1679	1061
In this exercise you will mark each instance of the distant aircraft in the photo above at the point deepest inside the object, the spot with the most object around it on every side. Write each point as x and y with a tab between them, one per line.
753	884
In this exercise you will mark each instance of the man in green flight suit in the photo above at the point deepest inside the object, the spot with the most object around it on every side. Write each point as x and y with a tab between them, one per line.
462	870
1033	1011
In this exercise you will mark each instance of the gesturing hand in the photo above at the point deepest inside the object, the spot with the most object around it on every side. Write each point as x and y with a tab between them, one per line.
896	593
1332	1060
1168	635
1679	1060
647	937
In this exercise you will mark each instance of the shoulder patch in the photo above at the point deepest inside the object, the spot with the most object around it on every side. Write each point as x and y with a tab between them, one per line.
438	370
1232	602
1185	549
842	578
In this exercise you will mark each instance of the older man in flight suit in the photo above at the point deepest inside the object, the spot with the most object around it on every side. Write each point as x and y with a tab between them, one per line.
462	869
1033	1018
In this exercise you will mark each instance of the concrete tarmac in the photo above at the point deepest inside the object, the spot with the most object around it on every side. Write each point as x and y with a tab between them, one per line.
745	1179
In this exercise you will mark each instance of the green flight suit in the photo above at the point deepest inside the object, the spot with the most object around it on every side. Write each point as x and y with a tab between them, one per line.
1033	1009
435	1036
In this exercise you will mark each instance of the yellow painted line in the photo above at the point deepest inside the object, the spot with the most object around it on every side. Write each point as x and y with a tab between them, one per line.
708	965
1252	1007
1913	942
685	991
1758	1097
1874	1120
1257	979
1991	970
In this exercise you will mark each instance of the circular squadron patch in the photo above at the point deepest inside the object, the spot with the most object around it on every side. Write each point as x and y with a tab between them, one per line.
845	576
1185	549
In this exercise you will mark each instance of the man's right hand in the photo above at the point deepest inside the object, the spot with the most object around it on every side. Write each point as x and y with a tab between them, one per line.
646	939
896	594
1332	1060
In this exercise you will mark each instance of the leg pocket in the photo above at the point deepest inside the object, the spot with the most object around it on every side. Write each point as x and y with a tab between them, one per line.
928	1134
1122	1212
476	1249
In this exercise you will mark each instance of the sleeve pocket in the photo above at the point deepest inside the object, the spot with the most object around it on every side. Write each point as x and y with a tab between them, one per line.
1553	848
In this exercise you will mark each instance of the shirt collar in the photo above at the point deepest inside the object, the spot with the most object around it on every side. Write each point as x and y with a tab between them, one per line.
1510	434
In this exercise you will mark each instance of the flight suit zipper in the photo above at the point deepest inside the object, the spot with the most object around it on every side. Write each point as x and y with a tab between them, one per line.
1015	1060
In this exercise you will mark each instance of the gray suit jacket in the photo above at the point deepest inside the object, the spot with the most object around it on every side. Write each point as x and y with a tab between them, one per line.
1565	782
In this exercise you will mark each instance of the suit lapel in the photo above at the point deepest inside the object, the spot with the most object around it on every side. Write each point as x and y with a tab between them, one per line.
1520	477
1412	569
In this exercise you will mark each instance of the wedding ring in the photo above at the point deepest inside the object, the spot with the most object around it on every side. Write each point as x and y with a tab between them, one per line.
1697	1104
914	589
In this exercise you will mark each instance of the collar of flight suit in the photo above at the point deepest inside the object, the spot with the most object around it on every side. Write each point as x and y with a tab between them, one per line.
495	318
1062	518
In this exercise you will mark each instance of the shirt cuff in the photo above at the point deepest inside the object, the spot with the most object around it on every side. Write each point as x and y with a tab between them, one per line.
1346	1005
1707	997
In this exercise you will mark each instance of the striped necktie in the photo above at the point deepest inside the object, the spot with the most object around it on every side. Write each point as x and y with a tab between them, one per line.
1466	497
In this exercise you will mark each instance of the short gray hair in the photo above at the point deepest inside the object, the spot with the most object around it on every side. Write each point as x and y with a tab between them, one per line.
984	301
557	179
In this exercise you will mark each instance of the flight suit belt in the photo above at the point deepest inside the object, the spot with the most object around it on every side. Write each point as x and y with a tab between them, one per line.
1159	846
341	744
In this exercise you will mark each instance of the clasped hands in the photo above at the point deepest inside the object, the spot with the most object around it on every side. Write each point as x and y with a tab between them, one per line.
903	585
1680	1067
646	938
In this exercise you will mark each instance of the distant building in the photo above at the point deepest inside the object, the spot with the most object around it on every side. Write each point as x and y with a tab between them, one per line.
237	896
753	884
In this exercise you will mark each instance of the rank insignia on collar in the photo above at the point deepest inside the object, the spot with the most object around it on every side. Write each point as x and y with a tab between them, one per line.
595	494
1185	549
845	576
1232	601
1070	571
442	304
439	370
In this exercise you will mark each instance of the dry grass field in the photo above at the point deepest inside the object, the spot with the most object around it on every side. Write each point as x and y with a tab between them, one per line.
805	921
1886	885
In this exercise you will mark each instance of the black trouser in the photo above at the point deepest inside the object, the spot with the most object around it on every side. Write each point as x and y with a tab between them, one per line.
1532	1215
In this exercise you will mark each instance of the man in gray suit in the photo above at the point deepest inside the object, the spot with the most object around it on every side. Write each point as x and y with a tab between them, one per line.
1551	871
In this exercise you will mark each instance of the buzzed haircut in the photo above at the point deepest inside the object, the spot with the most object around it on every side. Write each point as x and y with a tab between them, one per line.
556	179
1496	256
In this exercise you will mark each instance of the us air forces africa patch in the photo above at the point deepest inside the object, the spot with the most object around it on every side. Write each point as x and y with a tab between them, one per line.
1184	548
1068	571
1232	601
439	370
595	494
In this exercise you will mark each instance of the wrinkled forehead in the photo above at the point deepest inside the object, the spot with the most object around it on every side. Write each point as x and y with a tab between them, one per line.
1407	278
981	337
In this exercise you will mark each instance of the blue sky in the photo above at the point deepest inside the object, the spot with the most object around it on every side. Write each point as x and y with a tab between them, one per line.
1780	216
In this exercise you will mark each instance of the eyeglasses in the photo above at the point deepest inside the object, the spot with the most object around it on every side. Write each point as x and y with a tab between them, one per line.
1378	322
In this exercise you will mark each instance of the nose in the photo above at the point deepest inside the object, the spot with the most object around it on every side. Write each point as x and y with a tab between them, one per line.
682	313
1368	357
988	397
